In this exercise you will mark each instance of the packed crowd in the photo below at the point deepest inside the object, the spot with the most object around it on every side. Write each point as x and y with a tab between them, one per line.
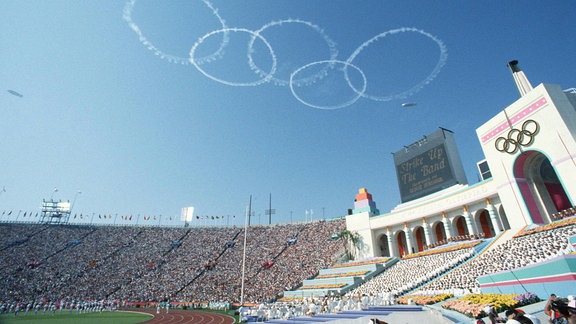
568	212
408	274
63	263
293	263
61	267
512	254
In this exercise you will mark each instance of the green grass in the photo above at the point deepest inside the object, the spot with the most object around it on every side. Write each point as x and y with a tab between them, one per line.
66	318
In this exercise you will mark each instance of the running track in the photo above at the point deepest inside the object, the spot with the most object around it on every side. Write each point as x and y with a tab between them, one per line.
184	317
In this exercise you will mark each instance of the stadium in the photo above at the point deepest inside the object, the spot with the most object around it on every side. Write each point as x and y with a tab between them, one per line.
513	233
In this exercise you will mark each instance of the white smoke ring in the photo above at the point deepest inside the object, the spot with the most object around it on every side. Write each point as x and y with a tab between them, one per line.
441	62
264	79
331	48
127	16
345	71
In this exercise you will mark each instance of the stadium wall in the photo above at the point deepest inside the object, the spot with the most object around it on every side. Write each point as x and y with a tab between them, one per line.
557	276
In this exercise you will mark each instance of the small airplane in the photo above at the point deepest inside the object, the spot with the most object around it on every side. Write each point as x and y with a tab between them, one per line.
409	104
17	94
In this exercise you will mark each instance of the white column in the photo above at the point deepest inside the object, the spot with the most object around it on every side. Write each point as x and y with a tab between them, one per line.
493	217
469	221
447	225
408	238
391	248
426	232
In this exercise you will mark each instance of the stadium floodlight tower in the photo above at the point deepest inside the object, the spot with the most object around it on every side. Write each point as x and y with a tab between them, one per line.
55	212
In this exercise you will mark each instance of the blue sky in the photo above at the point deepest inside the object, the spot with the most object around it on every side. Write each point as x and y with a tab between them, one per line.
138	132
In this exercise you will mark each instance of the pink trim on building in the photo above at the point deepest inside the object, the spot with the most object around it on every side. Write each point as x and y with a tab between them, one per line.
540	103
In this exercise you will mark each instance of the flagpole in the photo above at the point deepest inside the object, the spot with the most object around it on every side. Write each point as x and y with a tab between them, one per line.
270	210
244	253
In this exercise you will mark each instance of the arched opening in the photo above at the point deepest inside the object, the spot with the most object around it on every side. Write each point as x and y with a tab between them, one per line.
420	238
402	247
484	222
541	189
460	224
383	244
439	231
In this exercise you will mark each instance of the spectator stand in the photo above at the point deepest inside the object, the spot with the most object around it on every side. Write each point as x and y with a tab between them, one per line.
527	247
210	265
14	235
478	247
340	278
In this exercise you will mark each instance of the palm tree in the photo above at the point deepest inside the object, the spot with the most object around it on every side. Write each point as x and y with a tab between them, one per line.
350	240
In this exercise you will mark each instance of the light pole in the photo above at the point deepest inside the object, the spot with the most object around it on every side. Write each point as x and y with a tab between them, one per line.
74	201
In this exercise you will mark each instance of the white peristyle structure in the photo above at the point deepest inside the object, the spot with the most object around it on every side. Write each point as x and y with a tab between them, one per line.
530	148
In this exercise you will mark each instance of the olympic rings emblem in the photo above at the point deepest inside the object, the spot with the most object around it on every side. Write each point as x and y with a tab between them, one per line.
518	137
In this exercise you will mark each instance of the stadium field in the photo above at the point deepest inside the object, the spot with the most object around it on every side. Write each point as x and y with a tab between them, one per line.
88	318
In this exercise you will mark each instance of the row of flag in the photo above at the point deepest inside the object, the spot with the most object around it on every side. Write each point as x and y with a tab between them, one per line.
25	214
81	216
213	217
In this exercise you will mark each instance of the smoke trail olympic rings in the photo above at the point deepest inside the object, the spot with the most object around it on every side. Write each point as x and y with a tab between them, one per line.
297	77
127	16
359	93
276	80
265	78
418	86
